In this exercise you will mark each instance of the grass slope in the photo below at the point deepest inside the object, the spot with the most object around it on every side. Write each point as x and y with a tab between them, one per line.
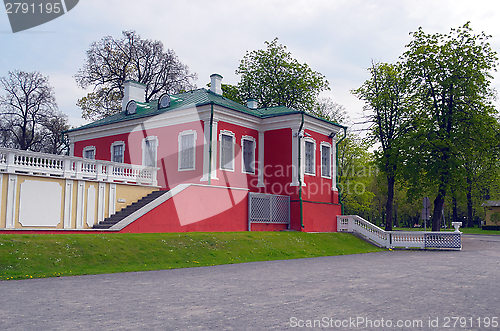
35	256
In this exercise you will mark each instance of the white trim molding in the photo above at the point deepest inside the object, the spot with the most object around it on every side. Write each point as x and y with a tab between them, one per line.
260	163
153	139
253	140
232	163
180	150
117	143
88	149
303	152
327	145
206	150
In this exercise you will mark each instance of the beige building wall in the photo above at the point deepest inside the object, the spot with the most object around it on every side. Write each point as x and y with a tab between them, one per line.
36	202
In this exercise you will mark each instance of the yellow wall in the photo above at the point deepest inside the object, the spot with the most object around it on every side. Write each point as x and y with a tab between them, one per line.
125	192
490	211
130	194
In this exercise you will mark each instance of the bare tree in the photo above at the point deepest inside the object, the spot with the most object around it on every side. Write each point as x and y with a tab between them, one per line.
110	62
28	104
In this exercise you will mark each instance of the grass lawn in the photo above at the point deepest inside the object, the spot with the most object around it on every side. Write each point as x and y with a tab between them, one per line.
40	255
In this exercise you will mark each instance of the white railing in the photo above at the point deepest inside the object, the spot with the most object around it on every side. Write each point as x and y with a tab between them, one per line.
401	239
31	163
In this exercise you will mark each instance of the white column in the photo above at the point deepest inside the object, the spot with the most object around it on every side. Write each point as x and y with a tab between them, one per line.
68	203
260	174
10	212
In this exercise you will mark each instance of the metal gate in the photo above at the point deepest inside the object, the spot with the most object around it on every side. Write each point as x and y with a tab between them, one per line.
268	208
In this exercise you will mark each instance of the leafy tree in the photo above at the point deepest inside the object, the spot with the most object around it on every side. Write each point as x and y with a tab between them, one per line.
28	112
387	103
356	170
274	78
451	78
110	62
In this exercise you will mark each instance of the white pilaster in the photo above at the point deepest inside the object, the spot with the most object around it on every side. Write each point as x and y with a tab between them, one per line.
68	203
10	212
80	199
295	158
112	200
260	173
101	200
334	165
90	218
206	150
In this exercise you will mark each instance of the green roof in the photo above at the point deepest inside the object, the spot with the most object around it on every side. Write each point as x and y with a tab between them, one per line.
189	99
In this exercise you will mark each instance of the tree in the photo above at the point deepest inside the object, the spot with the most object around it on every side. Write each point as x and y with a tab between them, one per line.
26	110
110	62
328	109
387	101
356	171
450	78
274	78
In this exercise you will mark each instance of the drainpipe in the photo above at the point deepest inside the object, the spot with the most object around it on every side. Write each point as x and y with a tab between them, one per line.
300	179
337	168
210	144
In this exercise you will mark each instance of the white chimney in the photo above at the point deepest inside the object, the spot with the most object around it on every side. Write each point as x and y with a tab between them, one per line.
216	84
133	91
252	104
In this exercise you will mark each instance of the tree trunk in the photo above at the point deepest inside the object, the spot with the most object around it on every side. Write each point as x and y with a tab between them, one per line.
390	202
438	209
455	212
470	220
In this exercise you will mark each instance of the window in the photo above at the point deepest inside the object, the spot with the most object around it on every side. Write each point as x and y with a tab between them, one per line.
309	150
118	151
89	152
149	154
187	150
248	155
227	150
326	160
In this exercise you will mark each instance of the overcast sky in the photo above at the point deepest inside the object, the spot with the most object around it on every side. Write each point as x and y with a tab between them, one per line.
338	38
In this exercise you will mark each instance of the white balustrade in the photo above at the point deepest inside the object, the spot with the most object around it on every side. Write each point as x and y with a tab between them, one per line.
392	239
32	163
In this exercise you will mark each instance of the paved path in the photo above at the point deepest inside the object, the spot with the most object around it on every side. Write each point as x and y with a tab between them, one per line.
412	287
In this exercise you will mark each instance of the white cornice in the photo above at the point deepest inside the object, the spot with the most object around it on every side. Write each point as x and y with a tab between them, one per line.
202	113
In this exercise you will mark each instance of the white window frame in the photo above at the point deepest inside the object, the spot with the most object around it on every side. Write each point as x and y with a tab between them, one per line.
154	140
312	141
179	140
226	133
252	139
326	145
117	143
88	149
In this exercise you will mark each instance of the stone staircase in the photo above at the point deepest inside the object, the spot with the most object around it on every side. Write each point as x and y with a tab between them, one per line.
120	215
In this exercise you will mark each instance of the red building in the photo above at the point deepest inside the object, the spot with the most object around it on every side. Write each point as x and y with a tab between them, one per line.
224	150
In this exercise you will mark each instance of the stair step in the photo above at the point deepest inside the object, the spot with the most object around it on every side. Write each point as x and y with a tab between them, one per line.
121	214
